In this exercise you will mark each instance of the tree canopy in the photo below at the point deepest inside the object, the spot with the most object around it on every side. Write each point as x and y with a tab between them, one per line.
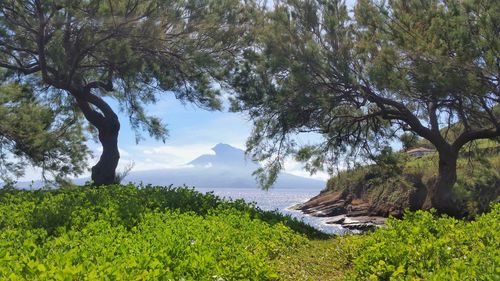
36	134
361	78
86	52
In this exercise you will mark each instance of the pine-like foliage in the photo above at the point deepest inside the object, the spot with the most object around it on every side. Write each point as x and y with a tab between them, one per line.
361	77
34	134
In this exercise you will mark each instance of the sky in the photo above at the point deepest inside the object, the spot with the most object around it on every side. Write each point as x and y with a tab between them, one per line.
192	132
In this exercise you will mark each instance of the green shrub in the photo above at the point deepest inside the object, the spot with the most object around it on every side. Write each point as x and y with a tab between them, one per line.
423	247
398	182
130	233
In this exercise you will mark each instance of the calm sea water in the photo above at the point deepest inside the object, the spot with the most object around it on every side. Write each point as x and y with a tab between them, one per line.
280	200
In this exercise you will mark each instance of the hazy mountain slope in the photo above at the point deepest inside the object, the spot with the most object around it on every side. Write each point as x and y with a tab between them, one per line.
227	168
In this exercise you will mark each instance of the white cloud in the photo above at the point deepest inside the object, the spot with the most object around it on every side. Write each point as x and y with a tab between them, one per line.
150	164
166	156
31	174
180	151
123	152
186	152
97	150
152	157
296	168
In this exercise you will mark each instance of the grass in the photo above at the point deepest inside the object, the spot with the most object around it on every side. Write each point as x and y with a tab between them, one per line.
319	260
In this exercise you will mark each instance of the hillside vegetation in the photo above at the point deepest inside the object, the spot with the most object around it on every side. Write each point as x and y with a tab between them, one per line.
399	181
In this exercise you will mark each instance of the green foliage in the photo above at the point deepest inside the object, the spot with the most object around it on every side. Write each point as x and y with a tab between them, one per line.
423	247
397	181
38	134
409	140
134	49
390	161
130	233
478	177
478	184
130	51
359	77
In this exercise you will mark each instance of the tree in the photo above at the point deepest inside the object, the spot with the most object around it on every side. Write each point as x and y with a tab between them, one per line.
38	135
360	78
127	50
408	140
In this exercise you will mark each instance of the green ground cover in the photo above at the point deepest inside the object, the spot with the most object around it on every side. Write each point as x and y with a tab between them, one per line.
126	233
419	247
163	233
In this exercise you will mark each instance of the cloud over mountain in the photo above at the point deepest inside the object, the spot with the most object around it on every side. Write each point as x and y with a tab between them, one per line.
227	168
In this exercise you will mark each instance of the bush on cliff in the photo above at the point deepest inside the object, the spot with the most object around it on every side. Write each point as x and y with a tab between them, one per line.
399	182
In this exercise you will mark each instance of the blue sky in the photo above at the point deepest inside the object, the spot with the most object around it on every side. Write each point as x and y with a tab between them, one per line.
192	132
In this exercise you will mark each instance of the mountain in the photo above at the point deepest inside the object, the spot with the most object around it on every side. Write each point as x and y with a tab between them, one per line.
227	168
225	156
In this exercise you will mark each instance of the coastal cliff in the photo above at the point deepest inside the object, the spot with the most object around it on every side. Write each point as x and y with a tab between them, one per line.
362	198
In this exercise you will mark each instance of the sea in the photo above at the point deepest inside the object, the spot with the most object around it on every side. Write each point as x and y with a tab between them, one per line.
279	200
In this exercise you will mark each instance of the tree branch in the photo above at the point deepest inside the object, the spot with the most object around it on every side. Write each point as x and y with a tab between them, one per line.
95	118
23	70
474	135
432	108
87	97
108	86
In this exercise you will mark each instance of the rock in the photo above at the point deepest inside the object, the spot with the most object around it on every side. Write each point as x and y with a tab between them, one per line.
366	219
347	211
360	208
363	223
360	226
336	220
324	205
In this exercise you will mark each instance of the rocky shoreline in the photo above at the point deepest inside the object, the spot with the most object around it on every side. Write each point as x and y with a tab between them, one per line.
352	214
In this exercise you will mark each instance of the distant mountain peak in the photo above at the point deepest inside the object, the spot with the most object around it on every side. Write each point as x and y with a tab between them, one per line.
228	168
226	156
224	148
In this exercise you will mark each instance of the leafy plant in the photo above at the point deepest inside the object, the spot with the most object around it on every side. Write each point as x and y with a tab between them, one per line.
130	233
425	247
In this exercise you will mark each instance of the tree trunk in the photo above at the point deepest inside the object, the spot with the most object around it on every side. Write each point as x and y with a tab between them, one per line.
104	172
107	123
440	192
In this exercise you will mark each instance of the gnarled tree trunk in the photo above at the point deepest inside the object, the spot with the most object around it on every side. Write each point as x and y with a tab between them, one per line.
440	192
104	171
107	123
